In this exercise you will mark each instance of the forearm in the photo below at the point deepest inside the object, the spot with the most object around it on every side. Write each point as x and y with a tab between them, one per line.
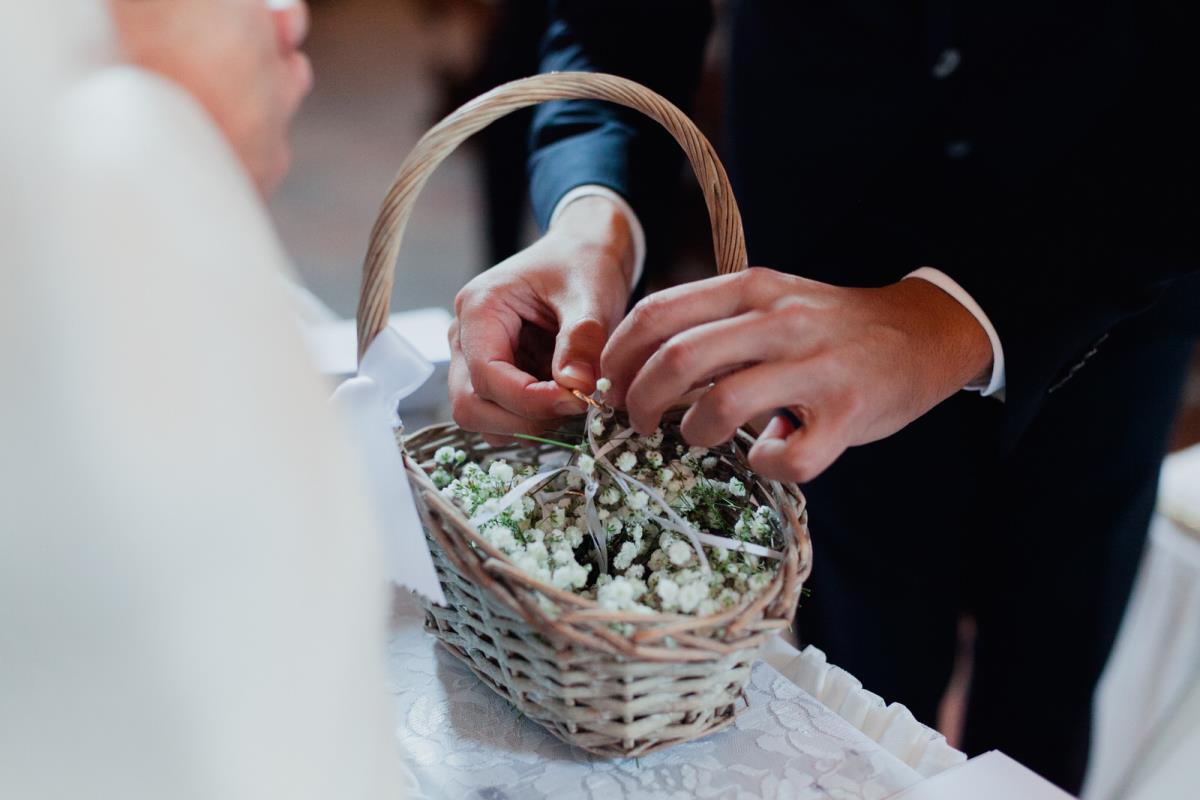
584	142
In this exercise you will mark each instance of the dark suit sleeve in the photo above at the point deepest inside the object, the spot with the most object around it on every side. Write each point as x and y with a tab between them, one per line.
1057	297
659	44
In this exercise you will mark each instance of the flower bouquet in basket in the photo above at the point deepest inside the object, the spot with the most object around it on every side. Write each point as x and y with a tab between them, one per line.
613	587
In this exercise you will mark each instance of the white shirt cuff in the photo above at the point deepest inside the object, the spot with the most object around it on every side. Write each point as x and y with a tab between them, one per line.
635	226
995	386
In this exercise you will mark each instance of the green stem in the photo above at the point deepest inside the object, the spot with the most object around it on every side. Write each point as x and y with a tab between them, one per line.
576	448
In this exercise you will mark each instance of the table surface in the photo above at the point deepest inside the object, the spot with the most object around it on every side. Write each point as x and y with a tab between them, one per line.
461	740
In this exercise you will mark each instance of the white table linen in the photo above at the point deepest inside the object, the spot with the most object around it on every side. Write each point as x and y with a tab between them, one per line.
463	740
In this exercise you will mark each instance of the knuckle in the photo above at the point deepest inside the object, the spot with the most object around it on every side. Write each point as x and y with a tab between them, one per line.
645	311
462	406
678	354
725	405
463	299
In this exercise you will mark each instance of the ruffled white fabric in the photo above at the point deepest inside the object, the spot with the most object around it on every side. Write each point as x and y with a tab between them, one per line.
891	725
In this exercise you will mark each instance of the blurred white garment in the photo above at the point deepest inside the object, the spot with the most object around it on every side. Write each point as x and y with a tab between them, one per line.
1146	733
191	601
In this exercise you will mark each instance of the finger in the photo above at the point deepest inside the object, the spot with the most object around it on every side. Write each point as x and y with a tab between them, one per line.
796	455
485	337
577	351
473	413
740	397
659	317
700	354
291	23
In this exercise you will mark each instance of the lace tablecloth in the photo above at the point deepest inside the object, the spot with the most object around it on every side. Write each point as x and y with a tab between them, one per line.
463	741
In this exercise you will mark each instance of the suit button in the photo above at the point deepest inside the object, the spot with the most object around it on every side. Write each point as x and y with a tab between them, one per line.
947	62
958	149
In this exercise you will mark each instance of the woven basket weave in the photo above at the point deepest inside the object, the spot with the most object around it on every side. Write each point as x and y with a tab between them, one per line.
675	677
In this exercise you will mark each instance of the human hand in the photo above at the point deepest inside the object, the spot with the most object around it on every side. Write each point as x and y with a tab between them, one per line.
532	328
238	58
855	365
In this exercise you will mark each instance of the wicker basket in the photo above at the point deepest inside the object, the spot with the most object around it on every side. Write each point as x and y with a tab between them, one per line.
675	677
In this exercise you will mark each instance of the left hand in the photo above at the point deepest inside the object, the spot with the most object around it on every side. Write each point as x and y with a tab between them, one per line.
855	365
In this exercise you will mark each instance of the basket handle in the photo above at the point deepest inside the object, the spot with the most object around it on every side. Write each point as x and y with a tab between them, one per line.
379	269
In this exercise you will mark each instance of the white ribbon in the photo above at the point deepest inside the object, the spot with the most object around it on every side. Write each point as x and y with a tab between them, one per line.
391	370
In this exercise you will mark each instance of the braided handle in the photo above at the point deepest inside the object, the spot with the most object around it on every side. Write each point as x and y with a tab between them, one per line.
379	269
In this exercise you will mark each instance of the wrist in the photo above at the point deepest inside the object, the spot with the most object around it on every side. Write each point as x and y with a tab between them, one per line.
957	342
596	224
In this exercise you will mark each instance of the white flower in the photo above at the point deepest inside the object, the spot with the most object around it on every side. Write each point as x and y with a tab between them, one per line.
618	594
596	426
636	571
758	581
626	461
603	385
574	535
537	550
638	500
570	576
444	455
679	553
500	536
737	488
668	592
587	464
501	471
653	458
625	556
610	496
655	439
709	463
690	596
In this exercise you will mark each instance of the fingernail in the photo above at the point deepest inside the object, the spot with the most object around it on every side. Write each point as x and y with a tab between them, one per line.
569	407
578	371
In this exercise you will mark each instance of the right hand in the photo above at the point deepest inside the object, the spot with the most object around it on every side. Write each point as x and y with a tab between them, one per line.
532	328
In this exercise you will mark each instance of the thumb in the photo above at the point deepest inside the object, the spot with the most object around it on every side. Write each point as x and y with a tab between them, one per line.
577	351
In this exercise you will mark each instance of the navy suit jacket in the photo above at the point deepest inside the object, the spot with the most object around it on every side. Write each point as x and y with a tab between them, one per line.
1043	154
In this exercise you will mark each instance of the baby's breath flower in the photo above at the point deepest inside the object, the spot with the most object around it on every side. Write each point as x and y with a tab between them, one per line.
444	455
668	592
690	596
737	488
626	461
679	553
625	556
501	471
596	426
603	385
